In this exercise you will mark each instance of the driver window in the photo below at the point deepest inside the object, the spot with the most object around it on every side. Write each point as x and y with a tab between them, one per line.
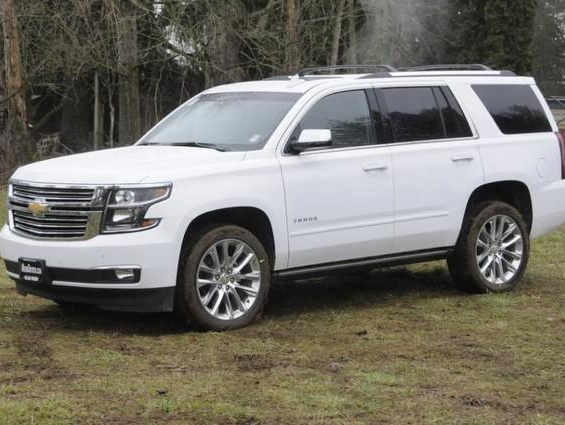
346	114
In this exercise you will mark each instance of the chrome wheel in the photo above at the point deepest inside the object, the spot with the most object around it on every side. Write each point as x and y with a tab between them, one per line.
499	249
228	279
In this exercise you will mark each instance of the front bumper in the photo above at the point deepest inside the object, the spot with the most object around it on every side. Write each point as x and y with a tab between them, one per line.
76	267
138	300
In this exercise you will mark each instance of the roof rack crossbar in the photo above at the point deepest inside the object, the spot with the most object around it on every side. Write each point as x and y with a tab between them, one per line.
449	67
307	71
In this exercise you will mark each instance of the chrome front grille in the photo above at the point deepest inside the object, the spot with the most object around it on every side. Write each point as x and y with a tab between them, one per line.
50	225
61	195
55	211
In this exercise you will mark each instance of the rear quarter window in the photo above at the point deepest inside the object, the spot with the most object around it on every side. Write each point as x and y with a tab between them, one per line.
456	125
514	108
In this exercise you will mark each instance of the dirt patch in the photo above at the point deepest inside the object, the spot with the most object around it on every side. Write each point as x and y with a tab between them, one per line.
124	347
480	402
332	365
117	420
506	406
6	366
16	379
254	362
171	368
35	360
33	352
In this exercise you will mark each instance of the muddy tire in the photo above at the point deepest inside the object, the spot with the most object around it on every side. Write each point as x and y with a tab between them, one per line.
493	249
224	279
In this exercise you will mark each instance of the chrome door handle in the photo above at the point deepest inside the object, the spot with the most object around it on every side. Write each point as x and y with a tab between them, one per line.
375	167
462	158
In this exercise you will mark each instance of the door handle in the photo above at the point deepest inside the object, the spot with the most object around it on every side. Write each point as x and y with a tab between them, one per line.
462	158
375	167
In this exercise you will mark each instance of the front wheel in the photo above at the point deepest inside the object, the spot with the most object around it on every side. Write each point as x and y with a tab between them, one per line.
493	249
224	280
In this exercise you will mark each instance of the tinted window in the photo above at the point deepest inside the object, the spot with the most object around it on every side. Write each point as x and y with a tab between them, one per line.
237	121
346	115
456	124
514	108
414	114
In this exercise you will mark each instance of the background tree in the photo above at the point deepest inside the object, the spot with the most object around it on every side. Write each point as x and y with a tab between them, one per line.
102	72
549	47
498	33
17	143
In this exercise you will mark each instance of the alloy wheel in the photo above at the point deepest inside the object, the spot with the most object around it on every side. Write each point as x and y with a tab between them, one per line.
228	279
499	249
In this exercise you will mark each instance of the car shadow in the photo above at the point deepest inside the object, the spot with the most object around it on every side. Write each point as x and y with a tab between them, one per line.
287	298
92	318
354	291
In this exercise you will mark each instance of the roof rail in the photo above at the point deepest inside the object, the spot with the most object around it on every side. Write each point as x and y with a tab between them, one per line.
448	67
277	78
408	74
307	71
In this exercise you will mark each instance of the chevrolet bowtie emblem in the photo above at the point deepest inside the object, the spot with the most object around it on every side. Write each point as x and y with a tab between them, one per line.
38	208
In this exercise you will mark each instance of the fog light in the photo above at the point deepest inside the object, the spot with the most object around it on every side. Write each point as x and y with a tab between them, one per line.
124	274
123	216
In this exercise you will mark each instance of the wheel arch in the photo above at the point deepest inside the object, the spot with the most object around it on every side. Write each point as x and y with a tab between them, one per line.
513	192
254	219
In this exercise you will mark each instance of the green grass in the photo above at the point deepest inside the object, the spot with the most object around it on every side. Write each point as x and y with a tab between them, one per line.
399	346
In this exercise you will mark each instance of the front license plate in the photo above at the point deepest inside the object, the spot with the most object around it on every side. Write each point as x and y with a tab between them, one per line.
33	270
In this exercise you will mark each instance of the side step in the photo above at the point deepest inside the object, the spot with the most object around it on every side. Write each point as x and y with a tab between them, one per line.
367	263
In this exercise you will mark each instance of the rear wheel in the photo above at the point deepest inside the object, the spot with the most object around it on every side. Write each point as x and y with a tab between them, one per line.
225	279
493	249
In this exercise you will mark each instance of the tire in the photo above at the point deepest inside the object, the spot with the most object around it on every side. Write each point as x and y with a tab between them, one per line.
481	263
212	294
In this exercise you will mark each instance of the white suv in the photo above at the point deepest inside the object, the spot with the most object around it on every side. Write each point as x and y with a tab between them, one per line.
293	176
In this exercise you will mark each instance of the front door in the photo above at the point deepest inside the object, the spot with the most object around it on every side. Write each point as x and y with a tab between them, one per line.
340	199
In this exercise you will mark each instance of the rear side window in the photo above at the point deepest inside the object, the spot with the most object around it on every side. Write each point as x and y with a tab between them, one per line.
514	108
414	113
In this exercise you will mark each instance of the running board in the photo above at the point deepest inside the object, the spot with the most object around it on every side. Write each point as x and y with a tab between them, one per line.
367	263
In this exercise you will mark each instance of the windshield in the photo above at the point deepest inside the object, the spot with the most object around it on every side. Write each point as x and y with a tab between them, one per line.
237	121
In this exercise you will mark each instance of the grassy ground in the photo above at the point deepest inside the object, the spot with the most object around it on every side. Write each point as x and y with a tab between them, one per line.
400	346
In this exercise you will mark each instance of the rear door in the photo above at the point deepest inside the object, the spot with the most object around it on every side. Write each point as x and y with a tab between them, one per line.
436	164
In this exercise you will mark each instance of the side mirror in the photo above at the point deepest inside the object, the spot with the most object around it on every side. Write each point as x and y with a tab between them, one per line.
312	139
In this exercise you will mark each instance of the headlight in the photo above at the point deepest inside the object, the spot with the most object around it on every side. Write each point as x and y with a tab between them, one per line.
126	208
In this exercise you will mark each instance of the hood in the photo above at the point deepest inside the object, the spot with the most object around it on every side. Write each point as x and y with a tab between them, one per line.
129	165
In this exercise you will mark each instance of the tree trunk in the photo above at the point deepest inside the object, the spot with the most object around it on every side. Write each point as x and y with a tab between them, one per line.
97	129
224	46
129	124
19	145
112	121
352	33
293	12
337	33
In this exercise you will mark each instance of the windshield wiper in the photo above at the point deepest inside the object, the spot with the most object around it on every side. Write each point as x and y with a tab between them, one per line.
188	144
199	145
